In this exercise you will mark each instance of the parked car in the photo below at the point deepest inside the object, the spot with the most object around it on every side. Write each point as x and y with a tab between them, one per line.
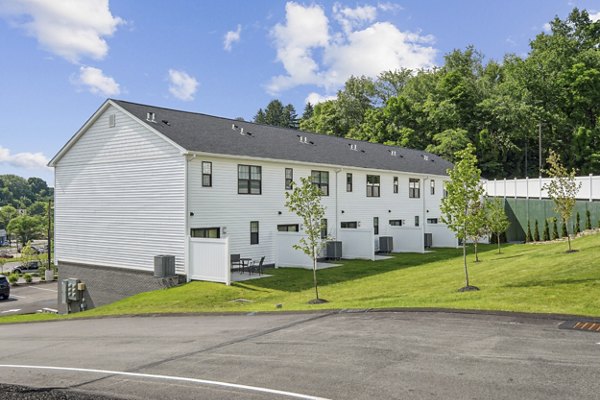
38	249
5	254
30	266
4	287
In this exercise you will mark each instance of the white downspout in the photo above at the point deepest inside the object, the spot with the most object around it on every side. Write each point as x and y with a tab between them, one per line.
424	221
186	261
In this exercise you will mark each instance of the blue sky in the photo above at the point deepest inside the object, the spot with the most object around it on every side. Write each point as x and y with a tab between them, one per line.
62	58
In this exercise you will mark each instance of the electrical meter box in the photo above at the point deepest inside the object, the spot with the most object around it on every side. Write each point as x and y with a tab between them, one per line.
70	290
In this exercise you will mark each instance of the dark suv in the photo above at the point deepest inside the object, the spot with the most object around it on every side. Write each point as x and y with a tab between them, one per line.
4	287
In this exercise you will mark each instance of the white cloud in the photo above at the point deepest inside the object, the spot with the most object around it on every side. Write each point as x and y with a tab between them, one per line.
97	83
363	46
316	98
595	16
387	6
23	160
71	29
547	27
182	85
351	18
232	37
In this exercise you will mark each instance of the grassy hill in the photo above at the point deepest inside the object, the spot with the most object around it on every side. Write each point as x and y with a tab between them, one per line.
539	278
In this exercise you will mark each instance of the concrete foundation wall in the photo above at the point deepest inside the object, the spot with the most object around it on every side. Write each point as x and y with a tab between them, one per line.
106	285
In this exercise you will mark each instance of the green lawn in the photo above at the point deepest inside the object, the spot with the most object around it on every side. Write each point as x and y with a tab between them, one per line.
539	278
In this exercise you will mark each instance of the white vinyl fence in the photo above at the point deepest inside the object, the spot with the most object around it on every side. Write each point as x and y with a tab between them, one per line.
286	255
209	260
407	239
532	187
357	243
441	236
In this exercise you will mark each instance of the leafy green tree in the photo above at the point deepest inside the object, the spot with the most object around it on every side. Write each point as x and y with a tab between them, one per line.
448	143
25	227
496	219
460	205
562	189
276	114
38	208
308	112
305	201
477	227
7	213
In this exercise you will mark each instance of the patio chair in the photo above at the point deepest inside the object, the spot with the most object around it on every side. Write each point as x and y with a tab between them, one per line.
235	260
256	266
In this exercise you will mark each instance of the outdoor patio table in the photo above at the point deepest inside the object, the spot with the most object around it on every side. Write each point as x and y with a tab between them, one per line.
245	261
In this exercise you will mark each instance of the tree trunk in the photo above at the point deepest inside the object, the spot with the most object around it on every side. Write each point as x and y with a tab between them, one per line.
476	255
568	236
465	261
315	273
498	237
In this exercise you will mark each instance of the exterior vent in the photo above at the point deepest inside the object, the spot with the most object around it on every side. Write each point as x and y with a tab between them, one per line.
241	131
151	117
353	147
393	153
425	157
233	127
112	120
164	121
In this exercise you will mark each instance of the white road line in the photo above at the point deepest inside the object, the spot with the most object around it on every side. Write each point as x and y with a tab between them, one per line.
7	311
18	297
172	378
39	288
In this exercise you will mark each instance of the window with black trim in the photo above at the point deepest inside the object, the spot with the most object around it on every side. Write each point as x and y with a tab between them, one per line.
324	228
321	180
249	179
253	232
289	178
373	185
432	220
395	184
414	188
212	233
376	225
432	186
348	182
349	225
396	222
206	173
416	220
288	228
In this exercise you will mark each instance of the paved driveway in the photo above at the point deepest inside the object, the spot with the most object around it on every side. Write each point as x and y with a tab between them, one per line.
383	355
28	299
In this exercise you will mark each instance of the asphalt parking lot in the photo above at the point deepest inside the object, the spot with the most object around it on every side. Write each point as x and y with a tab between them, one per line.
27	299
366	355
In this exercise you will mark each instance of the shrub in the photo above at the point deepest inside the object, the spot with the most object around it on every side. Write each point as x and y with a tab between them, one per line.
27	278
528	237
577	224
13	278
546	231
555	229
536	232
588	220
42	273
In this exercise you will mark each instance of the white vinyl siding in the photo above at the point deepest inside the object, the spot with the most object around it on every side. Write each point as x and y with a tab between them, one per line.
120	197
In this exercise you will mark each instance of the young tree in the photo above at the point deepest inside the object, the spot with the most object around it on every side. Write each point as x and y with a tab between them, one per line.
464	192
528	236
562	189
497	219
536	232
577	223
588	220
555	229
546	231
477	227
305	202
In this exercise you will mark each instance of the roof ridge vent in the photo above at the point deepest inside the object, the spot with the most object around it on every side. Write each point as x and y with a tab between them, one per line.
241	131
233	127
151	116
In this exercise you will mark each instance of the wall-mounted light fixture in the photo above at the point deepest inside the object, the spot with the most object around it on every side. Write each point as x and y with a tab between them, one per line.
279	212
342	211
191	213
389	211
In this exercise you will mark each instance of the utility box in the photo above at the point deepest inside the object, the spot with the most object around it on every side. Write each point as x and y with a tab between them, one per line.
164	266
70	290
428	240
386	244
334	250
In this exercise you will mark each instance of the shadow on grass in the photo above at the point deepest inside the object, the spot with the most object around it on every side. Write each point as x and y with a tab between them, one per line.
297	280
550	283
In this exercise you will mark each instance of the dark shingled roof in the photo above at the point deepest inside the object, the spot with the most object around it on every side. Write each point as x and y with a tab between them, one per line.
210	134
